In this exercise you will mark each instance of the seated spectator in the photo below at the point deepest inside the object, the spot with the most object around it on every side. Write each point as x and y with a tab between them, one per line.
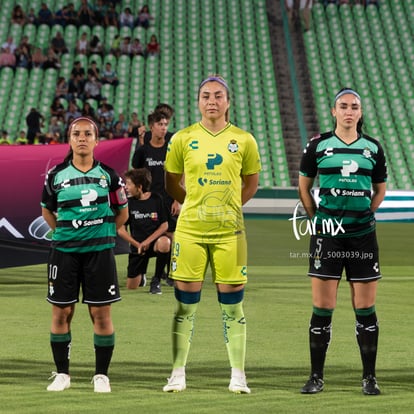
136	48
21	139
126	18
61	16
24	54
52	60
88	110
96	46
123	125
38	58
92	89
104	101
58	44
99	11
109	75
52	139
7	59
93	70
45	16
4	139
57	110
135	126
18	16
111	16
77	81
62	87
85	14
118	131
144	17
103	128
72	112
9	45
125	47
107	114
82	45
153	47
54	134
116	46
31	17
71	16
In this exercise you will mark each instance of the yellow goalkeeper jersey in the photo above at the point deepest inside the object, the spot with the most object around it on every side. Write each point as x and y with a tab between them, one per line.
212	165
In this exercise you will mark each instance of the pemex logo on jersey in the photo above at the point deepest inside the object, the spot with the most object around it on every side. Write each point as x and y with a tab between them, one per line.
88	197
213	160
349	167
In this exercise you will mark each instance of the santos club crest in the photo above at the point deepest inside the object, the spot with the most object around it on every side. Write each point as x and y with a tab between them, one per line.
233	147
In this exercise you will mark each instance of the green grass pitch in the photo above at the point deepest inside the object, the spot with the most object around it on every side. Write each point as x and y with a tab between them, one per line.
277	307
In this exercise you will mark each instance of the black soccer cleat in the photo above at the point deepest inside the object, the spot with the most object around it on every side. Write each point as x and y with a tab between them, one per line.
370	386
313	385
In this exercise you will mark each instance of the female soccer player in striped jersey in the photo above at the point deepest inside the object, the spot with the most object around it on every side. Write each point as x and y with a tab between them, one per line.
83	202
352	175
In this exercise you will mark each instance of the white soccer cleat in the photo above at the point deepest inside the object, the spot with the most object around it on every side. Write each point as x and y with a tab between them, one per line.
238	385
175	384
101	383
61	382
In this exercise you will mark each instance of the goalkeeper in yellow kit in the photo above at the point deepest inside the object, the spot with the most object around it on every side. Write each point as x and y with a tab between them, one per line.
212	168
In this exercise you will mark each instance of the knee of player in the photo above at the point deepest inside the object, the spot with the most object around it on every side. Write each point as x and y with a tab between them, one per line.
163	244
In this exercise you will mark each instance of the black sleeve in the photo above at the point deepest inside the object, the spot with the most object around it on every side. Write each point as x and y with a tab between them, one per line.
49	197
379	173
308	164
138	159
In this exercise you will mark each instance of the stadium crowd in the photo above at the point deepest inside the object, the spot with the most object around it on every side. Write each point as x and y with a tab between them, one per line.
80	94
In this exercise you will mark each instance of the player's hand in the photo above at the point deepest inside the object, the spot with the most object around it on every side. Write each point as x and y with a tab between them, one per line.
175	208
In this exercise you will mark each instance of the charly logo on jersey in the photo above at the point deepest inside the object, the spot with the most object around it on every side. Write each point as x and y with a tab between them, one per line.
86	223
328	152
233	147
193	144
65	183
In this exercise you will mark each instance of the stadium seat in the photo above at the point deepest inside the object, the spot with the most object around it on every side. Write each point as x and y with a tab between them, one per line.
71	35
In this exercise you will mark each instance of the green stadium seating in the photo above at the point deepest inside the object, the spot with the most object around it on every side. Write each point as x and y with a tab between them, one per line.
373	52
229	37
